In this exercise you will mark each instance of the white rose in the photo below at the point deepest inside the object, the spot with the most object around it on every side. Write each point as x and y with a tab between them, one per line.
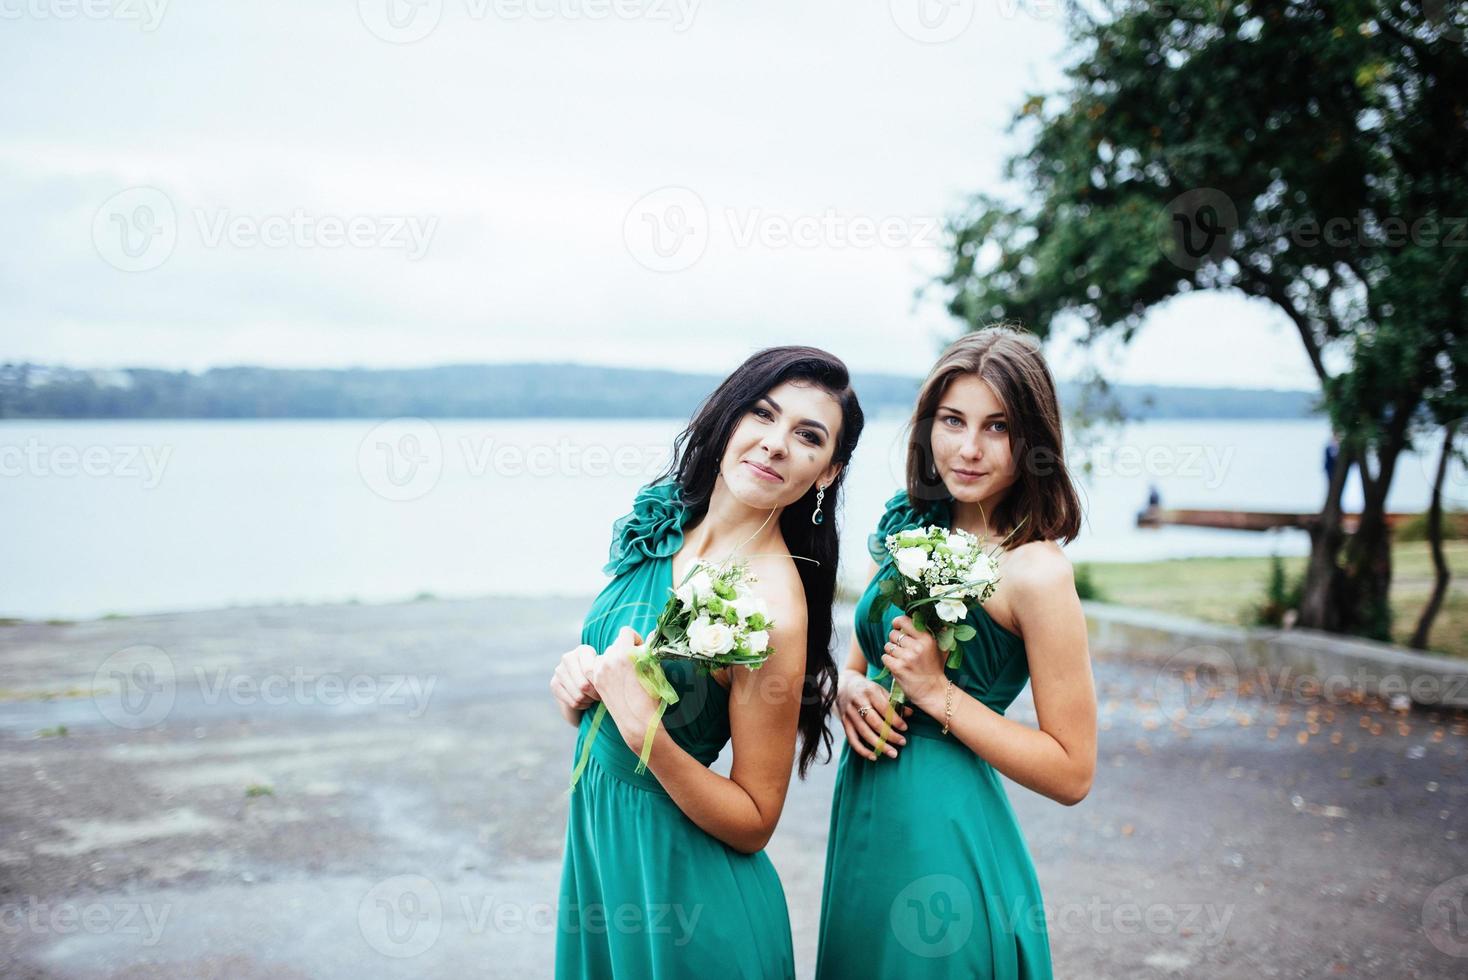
950	610
758	641
707	639
698	587
980	573
912	562
749	604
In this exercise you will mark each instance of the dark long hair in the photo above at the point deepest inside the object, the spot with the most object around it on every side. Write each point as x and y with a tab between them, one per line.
697	454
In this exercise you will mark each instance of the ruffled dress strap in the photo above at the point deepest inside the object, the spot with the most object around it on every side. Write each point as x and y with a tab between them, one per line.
653	529
902	513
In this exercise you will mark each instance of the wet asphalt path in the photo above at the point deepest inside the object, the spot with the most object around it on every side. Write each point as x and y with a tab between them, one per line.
377	791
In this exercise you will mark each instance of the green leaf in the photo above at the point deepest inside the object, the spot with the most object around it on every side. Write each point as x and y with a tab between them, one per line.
964	631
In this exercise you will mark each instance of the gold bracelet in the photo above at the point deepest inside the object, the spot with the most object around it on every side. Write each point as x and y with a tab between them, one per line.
947	706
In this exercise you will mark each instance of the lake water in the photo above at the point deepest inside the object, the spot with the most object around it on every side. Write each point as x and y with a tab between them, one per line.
146	516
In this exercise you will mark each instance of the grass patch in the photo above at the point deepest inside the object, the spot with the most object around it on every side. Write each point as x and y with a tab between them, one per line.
1231	590
255	789
58	732
41	694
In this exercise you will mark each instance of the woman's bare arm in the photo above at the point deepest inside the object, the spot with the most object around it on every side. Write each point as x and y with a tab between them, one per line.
743	808
1058	759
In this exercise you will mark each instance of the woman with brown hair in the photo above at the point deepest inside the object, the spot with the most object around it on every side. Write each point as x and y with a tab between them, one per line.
927	873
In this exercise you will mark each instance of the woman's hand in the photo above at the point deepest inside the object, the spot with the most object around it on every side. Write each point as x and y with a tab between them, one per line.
615	678
862	703
916	662
571	684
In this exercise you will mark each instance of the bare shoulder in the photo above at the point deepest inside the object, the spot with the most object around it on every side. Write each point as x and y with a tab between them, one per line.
779	585
1039	567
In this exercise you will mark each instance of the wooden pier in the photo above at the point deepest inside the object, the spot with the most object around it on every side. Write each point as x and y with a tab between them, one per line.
1250	520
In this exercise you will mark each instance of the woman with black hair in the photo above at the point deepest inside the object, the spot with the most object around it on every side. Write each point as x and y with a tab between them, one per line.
664	874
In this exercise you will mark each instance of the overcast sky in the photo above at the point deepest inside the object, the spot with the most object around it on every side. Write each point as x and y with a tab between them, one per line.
642	182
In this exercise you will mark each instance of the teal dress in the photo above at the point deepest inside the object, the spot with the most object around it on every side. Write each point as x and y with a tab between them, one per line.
927	874
645	893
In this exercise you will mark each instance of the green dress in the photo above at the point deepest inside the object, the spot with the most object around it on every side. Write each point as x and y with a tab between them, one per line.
645	893
927	874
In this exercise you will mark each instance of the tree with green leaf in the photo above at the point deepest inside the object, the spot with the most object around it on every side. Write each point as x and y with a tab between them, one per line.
1312	154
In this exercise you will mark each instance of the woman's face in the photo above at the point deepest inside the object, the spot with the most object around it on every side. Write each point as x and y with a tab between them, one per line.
971	447
782	445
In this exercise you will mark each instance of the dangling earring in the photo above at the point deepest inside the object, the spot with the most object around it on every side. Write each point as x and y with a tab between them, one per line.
818	517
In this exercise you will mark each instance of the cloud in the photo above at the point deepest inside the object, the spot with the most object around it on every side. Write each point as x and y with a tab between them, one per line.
524	141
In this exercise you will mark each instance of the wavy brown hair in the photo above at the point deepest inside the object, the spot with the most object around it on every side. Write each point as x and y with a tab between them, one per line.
1009	359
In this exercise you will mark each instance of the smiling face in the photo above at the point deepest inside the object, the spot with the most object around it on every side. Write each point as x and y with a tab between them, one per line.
784	443
971	442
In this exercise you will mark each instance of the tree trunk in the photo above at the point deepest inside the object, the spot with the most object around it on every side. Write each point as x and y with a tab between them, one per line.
1435	542
1366	599
1320	597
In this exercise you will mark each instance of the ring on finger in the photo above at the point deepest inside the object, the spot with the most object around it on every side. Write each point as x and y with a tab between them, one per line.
862	711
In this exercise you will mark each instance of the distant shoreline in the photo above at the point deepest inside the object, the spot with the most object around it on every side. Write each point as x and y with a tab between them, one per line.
518	391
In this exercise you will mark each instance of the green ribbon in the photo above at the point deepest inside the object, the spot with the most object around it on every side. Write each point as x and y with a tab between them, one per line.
650	675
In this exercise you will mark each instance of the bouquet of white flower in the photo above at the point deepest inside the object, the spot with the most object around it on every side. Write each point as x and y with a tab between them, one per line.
945	568
714	619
